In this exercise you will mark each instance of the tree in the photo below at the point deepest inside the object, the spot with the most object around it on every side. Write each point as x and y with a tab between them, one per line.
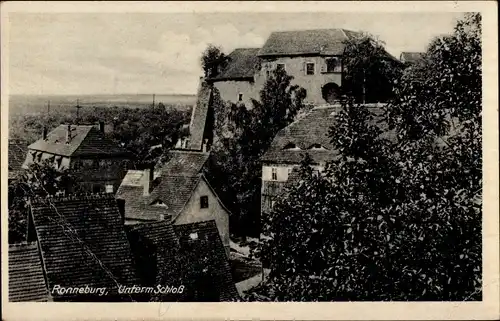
39	180
242	137
397	216
369	70
212	60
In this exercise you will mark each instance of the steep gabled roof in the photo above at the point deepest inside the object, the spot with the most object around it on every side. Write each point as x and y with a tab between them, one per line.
26	279
242	65
202	248
310	134
304	133
184	163
83	243
86	140
199	117
303	42
173	186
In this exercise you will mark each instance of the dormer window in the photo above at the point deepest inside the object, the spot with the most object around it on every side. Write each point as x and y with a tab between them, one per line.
291	146
159	203
317	147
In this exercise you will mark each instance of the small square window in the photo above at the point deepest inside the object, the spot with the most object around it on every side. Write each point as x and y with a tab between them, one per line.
109	188
274	174
240	97
204	202
310	68
280	66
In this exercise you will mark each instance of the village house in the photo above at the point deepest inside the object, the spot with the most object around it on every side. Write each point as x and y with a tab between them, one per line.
312	57
177	191
95	160
308	134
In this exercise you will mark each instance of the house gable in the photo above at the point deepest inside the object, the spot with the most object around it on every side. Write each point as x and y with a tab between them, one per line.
193	212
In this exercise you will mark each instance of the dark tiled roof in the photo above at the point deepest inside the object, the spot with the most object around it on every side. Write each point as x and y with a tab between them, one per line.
184	163
18	149
411	56
173	185
175	191
199	117
308	134
26	280
83	243
321	42
202	249
155	249
86	141
137	206
242	65
305	132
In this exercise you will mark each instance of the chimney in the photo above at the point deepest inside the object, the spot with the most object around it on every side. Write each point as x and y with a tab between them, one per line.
204	146
44	133
68	134
101	127
148	179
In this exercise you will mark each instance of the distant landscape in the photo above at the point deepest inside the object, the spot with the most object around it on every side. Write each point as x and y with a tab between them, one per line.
125	115
20	105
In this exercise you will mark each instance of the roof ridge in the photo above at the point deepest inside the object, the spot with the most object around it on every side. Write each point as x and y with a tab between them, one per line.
313	29
22	246
71	197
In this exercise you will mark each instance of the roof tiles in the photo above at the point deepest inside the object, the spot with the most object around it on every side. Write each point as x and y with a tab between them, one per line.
86	140
242	65
300	42
26	280
83	243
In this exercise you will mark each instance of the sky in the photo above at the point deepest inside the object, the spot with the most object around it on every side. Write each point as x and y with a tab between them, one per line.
145	53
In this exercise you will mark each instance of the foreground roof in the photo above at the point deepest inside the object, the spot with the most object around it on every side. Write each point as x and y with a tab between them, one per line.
242	65
26	280
85	140
201	249
83	242
300	42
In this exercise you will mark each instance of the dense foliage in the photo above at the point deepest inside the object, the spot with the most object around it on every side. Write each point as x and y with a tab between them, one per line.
147	132
241	137
398	215
212	60
369	70
38	180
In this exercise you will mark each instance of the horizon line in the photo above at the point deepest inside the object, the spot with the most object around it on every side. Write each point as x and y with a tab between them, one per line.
105	94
